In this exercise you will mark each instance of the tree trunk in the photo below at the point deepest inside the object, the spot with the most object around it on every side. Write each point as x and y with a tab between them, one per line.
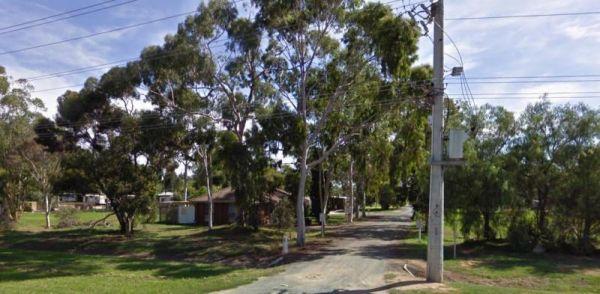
47	201
487	229
364	197
541	213
321	200
300	225
185	181
585	243
129	225
351	212
208	189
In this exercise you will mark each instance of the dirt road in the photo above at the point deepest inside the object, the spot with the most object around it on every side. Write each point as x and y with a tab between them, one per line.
364	258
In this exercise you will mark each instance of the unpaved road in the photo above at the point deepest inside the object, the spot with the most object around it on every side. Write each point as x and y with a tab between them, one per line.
364	258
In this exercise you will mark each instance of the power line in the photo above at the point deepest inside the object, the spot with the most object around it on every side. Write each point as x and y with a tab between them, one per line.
533	93
524	15
55	15
536	77
531	82
66	17
98	33
117	62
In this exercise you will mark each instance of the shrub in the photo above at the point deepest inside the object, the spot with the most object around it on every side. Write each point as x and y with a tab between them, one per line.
67	217
520	235
387	197
283	214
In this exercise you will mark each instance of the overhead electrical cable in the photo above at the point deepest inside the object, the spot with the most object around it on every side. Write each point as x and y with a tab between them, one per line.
104	65
98	33
55	15
525	15
65	18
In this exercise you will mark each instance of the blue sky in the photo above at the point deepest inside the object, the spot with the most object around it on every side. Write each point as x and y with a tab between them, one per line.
504	47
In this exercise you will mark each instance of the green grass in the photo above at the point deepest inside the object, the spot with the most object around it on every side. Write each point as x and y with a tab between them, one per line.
158	258
51	272
36	221
492	267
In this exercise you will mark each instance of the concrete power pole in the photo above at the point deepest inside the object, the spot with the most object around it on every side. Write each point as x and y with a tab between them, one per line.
435	227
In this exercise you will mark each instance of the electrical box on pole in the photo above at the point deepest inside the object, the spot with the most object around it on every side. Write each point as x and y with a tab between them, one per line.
456	142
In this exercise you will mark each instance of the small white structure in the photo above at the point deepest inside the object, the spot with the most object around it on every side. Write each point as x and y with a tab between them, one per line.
186	214
94	199
69	197
166	197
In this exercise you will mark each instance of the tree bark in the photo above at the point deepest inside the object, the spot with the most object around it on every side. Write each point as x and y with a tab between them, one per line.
206	161
321	200
487	229
351	173
185	180
300	225
585	243
364	197
47	201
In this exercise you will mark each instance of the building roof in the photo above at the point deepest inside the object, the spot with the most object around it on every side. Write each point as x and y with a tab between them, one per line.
227	195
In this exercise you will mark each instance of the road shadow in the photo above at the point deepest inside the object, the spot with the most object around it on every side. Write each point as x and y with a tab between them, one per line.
382	288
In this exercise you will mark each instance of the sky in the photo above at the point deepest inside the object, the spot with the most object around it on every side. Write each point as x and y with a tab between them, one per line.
523	47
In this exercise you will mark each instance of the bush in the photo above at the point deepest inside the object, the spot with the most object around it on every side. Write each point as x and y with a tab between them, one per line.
520	235
283	214
387	197
67	217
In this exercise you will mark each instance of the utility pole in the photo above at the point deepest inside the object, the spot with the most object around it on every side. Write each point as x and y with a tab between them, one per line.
435	227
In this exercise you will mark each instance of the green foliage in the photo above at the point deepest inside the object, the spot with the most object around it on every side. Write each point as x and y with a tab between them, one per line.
283	214
68	217
387	197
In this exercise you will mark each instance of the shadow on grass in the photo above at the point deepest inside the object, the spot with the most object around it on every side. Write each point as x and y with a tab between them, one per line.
225	244
173	270
20	265
498	255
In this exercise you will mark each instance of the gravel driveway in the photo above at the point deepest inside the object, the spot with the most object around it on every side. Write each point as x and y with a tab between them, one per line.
364	258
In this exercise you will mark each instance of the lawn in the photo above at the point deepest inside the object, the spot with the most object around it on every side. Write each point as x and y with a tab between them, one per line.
36	221
158	258
492	267
24	271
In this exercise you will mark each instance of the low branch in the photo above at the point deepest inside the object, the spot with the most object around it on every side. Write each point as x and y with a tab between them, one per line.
93	224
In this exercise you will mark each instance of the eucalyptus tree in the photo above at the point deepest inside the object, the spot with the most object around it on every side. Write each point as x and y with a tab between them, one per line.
316	74
109	142
203	140
18	113
44	168
212	68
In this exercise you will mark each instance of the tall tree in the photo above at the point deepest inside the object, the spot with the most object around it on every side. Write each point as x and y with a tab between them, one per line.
18	112
317	76
44	168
